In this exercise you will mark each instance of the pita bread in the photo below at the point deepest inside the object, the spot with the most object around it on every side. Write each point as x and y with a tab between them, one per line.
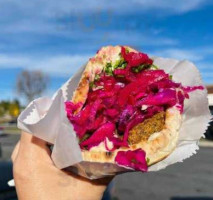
157	147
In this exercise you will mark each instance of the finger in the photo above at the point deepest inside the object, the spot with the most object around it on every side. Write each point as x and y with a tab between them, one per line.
15	152
30	144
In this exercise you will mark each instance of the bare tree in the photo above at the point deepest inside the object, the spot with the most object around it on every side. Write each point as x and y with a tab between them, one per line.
31	84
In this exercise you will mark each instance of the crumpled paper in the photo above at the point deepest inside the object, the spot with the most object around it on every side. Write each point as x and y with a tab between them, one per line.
46	118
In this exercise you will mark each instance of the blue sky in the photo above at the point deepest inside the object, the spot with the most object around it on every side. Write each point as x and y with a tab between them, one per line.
57	37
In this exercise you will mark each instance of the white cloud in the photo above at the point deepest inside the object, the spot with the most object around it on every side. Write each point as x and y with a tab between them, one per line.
57	66
60	65
171	5
49	8
13	61
25	25
65	65
179	54
200	54
39	15
136	38
43	17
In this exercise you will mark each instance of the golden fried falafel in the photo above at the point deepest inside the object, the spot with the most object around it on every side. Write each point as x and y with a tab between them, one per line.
142	131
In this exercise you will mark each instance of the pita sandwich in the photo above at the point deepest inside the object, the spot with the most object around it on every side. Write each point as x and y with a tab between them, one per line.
125	110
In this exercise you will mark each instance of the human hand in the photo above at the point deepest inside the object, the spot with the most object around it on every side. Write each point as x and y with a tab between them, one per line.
37	178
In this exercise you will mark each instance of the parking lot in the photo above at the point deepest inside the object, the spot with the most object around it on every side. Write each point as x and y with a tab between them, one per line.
192	179
7	143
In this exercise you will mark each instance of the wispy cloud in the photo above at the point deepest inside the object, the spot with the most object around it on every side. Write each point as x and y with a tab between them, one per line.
39	16
61	65
79	42
28	25
65	65
11	61
58	37
172	6
179	54
58	65
197	54
139	39
47	8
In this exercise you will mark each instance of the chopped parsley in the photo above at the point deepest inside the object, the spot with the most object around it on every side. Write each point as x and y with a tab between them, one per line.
143	67
97	77
85	137
153	67
140	68
147	160
119	64
109	69
91	85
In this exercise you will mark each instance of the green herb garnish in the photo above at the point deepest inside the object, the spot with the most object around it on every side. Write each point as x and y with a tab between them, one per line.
120	64
97	77
140	68
143	67
127	50
123	66
147	160
153	67
109	69
91	85
85	137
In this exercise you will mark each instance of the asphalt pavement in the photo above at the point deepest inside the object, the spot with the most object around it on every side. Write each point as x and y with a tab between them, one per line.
190	180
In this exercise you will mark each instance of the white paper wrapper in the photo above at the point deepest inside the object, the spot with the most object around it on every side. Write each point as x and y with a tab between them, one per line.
46	118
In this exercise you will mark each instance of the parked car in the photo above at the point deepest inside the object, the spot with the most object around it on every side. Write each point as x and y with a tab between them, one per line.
13	121
6	192
1	130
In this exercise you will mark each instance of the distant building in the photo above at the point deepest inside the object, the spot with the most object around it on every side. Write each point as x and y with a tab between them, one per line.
210	94
209	132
